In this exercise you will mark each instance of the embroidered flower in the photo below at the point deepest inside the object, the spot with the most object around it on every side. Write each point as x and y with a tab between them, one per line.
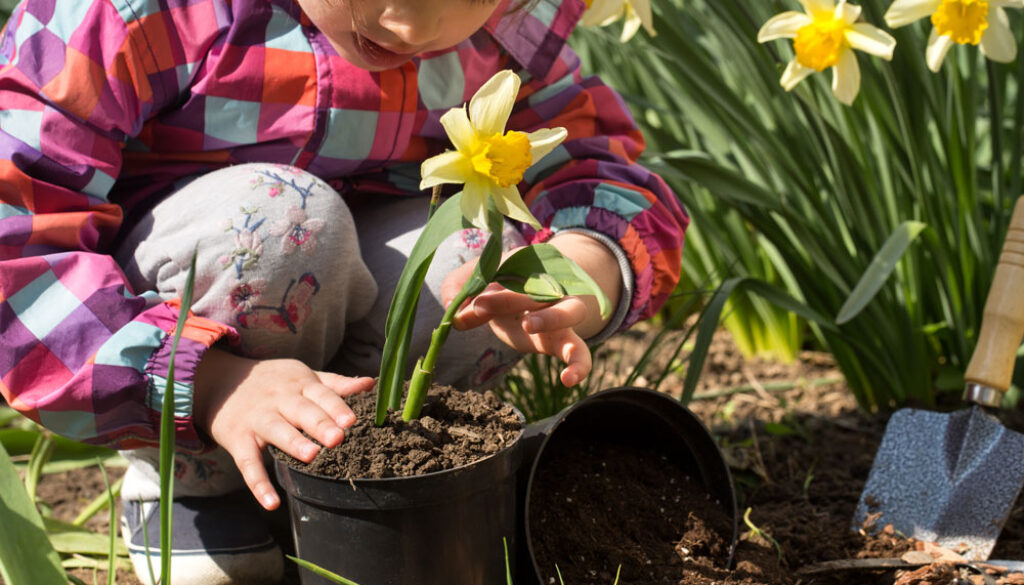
297	231
473	238
245	296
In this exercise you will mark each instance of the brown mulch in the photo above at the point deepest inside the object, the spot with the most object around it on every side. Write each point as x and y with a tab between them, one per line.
800	452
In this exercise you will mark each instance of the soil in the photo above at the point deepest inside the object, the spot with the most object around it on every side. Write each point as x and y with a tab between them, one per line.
800	451
454	429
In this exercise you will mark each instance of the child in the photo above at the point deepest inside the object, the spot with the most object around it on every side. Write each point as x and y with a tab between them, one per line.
282	140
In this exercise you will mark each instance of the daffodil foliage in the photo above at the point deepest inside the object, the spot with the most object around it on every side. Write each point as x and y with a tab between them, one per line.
489	162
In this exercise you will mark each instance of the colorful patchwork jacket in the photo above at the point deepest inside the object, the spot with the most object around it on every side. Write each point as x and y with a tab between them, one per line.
106	105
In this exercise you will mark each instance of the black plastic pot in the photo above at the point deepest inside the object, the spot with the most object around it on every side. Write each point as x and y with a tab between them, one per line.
643	418
442	528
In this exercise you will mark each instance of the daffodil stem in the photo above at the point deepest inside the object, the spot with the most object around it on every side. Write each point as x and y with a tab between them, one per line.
435	200
423	373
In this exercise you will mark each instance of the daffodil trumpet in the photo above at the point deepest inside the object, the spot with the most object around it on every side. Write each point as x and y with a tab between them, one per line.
490	162
824	37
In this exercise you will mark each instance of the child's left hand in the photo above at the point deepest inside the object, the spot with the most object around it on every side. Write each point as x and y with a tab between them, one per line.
557	329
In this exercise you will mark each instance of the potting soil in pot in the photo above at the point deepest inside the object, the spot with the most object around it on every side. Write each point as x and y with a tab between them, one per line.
454	429
597	505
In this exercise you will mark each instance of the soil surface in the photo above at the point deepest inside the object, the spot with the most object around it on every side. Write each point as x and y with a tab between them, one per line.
800	452
454	429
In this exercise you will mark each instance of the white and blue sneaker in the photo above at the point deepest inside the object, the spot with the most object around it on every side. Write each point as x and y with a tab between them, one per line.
220	540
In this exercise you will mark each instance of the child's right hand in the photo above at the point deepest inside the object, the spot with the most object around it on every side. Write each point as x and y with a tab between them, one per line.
245	405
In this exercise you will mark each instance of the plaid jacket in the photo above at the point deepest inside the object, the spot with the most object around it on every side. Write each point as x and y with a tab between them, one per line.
107	105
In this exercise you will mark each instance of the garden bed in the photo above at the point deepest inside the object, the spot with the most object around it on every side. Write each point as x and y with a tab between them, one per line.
800	452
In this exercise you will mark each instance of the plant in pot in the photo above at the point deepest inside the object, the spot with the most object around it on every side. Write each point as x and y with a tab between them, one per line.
432	514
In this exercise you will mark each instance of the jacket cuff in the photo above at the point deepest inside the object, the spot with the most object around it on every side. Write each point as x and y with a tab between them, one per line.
198	335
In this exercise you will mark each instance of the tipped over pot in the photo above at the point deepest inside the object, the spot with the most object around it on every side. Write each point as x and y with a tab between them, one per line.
627	480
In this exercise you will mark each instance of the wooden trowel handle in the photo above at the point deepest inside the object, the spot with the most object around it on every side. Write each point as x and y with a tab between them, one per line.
1002	324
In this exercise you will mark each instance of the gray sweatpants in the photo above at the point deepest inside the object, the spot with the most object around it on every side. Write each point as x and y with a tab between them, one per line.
300	274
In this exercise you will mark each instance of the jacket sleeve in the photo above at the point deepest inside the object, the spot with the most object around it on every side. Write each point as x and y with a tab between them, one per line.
80	352
592	183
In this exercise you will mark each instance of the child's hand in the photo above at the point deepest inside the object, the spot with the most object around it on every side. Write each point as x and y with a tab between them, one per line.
556	329
245	405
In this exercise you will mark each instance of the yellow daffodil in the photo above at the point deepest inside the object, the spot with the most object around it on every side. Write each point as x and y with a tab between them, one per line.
824	36
965	22
636	13
487	159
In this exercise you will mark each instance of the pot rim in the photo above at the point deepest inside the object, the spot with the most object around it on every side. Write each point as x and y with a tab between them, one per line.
384	481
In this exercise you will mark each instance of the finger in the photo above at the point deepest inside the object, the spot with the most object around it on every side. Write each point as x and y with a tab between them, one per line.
345	386
578	361
330	403
250	464
565	314
280	433
304	414
494	303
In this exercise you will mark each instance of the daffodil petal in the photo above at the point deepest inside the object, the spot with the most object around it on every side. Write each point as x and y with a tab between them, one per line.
846	78
1007	3
848	13
643	10
491	105
813	7
447	167
938	46
904	12
510	203
794	74
460	131
474	202
783	26
544	141
631	25
998	42
601	12
871	40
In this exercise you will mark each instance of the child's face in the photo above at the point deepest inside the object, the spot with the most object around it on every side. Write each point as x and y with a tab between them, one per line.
384	34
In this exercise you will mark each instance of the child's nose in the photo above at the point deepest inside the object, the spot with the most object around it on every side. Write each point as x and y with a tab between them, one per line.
414	26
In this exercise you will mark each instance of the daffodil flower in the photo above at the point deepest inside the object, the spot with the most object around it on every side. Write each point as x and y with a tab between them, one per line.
487	159
636	13
824	36
965	22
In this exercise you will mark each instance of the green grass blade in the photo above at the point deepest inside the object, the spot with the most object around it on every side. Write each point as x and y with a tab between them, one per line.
706	327
317	570
26	555
879	270
41	453
167	432
112	518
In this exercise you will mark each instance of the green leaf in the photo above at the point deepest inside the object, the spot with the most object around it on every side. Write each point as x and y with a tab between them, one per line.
70	539
722	181
536	259
446	220
167	431
8	415
543	287
879	270
320	571
26	555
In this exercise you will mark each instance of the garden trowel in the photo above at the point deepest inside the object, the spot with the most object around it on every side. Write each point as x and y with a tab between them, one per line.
952	478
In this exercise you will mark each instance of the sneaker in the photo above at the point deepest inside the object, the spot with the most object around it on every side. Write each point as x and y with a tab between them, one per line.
218	540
